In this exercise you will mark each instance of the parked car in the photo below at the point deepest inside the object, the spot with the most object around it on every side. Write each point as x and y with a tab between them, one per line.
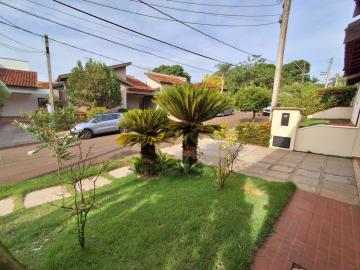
267	111
101	123
226	112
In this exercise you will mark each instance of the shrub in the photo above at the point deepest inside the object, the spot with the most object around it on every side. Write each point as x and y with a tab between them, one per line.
95	111
338	96
254	133
64	118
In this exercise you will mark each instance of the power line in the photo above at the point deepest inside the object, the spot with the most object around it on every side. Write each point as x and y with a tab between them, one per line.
121	44
70	45
17	49
99	24
197	30
167	19
20	43
220	5
212	13
139	33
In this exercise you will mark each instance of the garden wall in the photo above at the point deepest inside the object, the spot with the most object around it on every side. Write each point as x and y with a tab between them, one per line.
328	140
333	113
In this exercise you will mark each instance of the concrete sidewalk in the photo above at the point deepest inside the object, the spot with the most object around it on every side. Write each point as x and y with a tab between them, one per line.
11	135
328	176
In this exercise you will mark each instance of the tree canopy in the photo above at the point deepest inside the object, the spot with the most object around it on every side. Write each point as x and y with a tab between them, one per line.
175	70
258	72
253	98
94	84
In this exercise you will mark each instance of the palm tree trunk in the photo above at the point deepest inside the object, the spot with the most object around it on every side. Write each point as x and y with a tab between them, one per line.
148	154
190	150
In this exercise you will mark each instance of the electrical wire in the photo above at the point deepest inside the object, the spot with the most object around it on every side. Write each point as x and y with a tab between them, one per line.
199	31
71	45
20	43
139	33
211	13
220	5
18	49
167	19
121	44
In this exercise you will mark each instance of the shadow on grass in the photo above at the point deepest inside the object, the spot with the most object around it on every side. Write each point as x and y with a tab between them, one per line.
173	223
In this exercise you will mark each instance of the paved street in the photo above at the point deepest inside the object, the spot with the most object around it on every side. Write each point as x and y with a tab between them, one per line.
16	165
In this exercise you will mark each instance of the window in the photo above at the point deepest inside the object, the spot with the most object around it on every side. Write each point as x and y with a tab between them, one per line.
285	117
42	102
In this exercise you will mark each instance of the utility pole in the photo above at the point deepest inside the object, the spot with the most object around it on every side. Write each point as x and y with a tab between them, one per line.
328	73
280	57
51	90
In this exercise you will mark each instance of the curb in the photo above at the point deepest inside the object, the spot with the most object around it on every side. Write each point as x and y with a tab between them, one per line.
356	166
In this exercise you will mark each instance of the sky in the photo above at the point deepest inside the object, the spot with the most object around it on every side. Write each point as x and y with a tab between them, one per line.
315	33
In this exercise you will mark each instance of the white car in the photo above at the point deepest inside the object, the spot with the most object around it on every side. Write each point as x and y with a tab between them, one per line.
226	112
267	111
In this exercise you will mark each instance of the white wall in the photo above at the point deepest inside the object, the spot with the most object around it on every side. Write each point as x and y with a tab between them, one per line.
14	64
333	113
153	84
356	108
121	72
285	131
327	140
20	102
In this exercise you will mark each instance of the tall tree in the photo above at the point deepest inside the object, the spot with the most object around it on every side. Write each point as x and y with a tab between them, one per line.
4	91
94	84
192	107
175	70
253	98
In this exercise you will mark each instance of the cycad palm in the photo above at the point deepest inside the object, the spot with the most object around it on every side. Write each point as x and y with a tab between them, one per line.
192	107
146	128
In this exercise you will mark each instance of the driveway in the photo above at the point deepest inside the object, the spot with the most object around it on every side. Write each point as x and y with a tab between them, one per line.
328	176
12	135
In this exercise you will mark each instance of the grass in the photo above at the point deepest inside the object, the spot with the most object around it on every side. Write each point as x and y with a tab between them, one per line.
312	122
175	222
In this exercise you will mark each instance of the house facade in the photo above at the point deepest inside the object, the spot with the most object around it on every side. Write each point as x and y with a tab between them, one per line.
135	94
25	95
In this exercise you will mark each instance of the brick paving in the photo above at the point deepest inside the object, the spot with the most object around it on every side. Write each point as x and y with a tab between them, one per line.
314	232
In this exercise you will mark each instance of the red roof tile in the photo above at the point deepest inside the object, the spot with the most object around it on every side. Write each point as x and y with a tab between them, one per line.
168	79
20	78
136	84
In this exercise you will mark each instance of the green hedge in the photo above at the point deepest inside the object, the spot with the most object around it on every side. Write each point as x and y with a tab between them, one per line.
338	96
254	133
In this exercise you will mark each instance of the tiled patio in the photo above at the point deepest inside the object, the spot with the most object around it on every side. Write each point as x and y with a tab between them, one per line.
314	232
331	177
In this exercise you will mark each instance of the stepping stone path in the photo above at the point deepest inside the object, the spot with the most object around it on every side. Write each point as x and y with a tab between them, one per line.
6	206
45	195
88	183
121	172
52	194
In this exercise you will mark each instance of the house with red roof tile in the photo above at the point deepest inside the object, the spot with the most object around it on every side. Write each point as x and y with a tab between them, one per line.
23	85
135	93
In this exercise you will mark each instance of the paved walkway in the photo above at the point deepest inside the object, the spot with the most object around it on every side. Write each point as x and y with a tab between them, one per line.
331	177
314	232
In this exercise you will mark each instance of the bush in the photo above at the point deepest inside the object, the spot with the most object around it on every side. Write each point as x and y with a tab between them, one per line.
338	96
254	133
61	120
64	118
95	111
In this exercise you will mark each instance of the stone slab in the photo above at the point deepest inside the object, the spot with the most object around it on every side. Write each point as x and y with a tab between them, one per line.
121	172
280	168
311	174
88	183
356	166
277	175
311	166
287	164
6	206
305	183
338	178
339	169
43	196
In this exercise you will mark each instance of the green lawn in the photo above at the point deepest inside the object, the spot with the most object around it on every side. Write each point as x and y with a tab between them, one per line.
312	122
175	222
